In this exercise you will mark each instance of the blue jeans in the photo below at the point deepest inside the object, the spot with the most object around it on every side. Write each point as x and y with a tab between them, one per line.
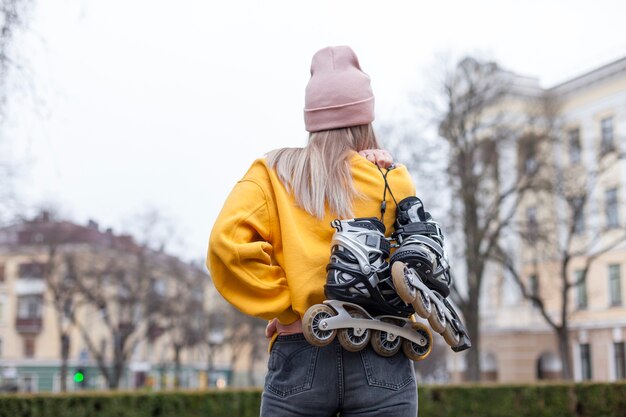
303	380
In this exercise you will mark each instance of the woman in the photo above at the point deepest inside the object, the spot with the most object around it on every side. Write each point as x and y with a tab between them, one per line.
271	243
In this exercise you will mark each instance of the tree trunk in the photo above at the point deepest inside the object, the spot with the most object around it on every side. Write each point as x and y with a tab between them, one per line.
472	319
116	375
471	313
253	356
210	366
565	353
563	331
65	353
118	362
177	349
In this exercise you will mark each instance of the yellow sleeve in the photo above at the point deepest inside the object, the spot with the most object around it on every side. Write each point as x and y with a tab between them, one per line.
241	259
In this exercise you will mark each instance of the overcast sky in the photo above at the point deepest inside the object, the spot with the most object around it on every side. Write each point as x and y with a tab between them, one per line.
165	104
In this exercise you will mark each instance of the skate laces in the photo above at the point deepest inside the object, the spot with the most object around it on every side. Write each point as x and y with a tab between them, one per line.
383	204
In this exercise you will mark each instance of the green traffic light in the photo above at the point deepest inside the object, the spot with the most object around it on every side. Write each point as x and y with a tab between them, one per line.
79	377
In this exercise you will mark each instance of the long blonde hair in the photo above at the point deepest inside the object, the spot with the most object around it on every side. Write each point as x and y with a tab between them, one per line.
319	175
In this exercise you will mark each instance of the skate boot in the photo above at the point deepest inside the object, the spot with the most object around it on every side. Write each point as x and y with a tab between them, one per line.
421	272
362	304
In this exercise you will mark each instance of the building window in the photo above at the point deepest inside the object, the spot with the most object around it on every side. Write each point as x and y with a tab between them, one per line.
159	287
585	361
581	289
530	158
574	146
29	306
620	360
68	308
611	209
29	347
615	285
533	226
32	270
606	126
578	210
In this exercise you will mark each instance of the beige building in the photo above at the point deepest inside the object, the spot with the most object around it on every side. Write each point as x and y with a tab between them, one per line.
77	288
587	219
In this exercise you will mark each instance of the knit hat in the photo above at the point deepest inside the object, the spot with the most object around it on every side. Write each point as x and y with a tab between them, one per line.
339	93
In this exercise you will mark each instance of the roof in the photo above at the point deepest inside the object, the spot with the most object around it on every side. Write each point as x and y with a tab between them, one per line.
43	230
610	70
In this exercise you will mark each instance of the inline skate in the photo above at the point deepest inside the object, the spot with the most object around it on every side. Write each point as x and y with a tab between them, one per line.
362	304
421	273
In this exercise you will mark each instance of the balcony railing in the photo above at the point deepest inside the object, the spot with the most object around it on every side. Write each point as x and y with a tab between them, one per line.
28	325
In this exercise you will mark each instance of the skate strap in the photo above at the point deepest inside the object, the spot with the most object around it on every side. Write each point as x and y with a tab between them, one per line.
422	228
384	245
378	242
432	244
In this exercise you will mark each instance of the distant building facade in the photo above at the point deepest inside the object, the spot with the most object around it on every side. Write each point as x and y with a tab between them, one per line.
42	313
517	343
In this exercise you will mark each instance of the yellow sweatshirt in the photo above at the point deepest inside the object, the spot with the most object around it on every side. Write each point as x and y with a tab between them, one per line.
268	257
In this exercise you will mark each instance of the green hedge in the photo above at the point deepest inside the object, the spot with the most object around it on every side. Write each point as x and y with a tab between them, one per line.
542	400
553	400
244	403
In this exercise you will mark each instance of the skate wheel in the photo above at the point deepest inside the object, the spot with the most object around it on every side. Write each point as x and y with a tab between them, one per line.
412	350
405	290
382	345
437	319
310	325
349	339
422	305
451	337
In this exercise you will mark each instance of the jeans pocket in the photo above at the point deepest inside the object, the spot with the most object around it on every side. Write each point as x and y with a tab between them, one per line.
394	373
291	366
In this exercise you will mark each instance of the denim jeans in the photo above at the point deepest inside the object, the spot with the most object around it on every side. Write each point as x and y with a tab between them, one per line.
303	380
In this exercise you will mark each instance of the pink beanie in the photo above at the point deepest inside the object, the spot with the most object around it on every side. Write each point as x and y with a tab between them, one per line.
339	93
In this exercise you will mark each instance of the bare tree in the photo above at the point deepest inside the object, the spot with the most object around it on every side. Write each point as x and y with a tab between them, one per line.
562	236
113	284
243	334
479	136
59	275
14	14
57	238
215	319
181	309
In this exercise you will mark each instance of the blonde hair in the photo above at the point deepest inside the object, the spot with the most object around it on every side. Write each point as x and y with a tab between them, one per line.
319	175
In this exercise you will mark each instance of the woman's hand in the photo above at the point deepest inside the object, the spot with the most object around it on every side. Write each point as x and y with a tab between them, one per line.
274	326
380	157
270	329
